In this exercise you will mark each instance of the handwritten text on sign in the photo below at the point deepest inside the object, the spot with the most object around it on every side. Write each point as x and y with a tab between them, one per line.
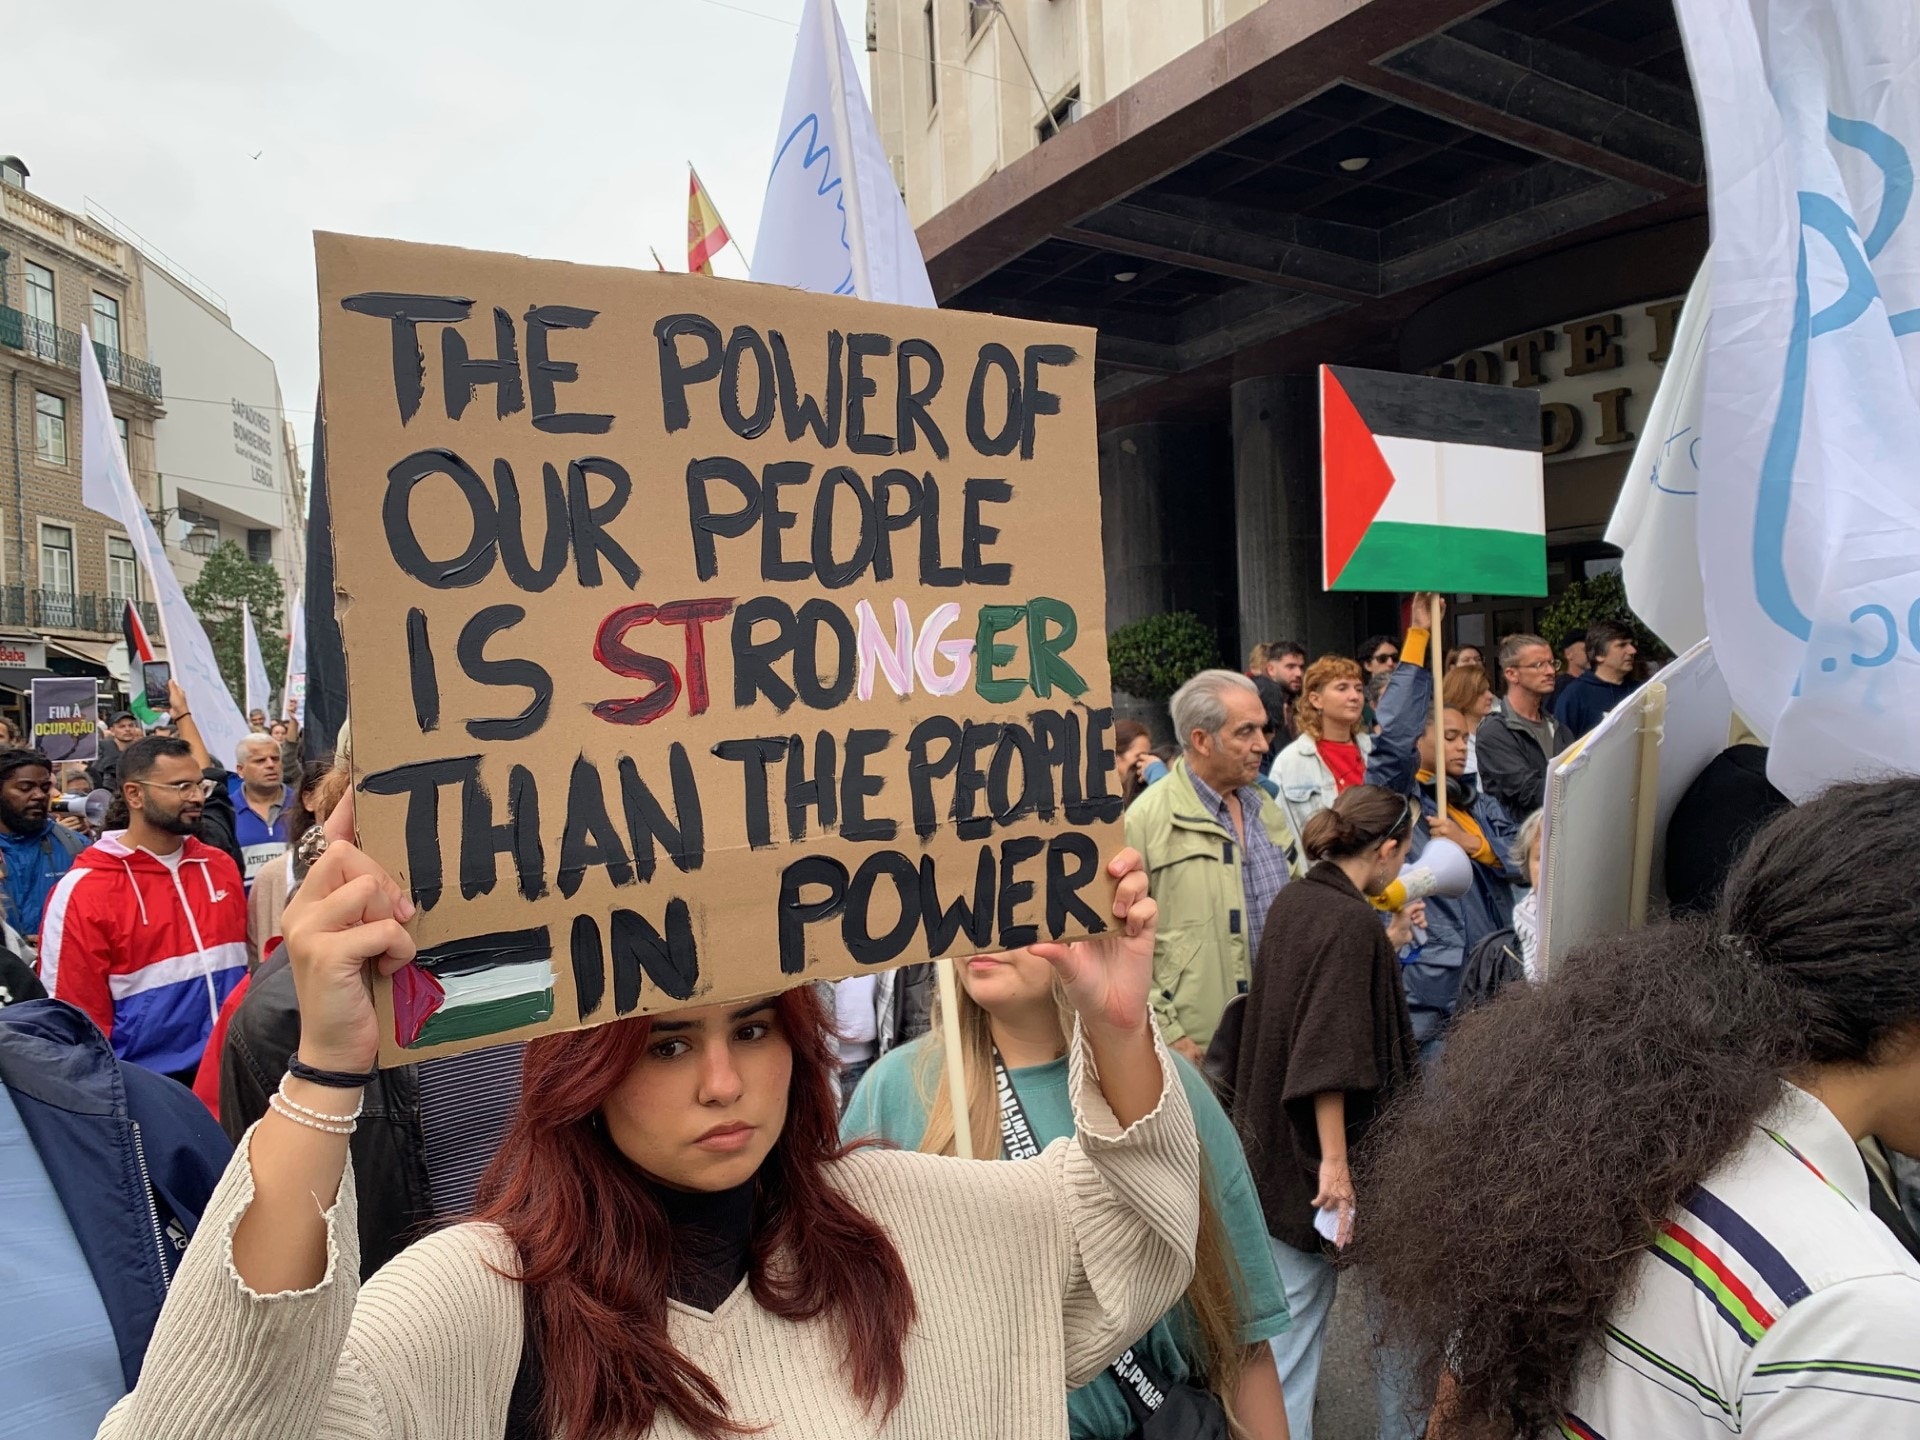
704	637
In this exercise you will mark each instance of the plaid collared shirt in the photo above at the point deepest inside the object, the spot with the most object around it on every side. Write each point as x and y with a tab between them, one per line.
1263	865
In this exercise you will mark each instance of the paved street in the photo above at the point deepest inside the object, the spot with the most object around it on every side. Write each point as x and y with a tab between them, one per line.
1346	1406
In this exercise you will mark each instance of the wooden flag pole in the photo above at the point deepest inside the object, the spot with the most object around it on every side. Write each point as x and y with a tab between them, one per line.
1436	656
956	1059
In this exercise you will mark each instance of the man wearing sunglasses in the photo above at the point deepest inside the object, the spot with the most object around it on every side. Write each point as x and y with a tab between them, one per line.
147	932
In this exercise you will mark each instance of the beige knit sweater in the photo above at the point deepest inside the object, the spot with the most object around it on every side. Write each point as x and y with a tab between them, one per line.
1028	1278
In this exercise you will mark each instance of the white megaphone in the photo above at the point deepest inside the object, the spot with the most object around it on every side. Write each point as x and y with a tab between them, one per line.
90	808
1443	869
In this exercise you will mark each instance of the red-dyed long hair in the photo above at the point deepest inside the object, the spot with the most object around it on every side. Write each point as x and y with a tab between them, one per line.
594	1247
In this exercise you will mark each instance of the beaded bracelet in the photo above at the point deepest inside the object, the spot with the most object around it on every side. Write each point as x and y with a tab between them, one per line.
326	1116
285	1108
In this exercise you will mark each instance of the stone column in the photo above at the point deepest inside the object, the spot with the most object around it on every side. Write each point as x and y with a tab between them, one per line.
1166	523
1166	527
1276	500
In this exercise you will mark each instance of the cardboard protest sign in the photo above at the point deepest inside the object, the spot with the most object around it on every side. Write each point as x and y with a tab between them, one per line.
705	637
1430	485
65	719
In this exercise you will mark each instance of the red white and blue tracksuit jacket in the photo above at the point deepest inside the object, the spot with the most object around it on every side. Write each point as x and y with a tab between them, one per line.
147	951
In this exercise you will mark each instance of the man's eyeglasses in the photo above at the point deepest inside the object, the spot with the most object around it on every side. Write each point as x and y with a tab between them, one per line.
1534	665
179	789
1385	657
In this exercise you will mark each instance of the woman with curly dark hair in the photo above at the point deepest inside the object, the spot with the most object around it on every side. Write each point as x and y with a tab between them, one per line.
1647	1197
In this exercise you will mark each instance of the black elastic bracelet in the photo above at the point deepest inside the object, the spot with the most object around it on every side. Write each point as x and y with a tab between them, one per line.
333	1079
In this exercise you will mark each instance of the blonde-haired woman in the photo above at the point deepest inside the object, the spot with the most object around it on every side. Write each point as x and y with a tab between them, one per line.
1330	753
1014	1022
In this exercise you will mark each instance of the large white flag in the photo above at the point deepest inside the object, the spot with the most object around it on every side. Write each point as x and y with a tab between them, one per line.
259	688
106	488
1809	514
832	220
1655	521
293	692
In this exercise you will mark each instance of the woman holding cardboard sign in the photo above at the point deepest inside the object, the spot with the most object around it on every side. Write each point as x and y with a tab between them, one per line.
673	1242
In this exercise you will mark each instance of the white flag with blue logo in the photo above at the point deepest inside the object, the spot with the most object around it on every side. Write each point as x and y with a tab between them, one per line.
1810	490
259	688
832	220
1656	519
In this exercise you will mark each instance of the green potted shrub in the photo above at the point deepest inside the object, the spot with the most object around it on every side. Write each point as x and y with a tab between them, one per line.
1600	597
1154	657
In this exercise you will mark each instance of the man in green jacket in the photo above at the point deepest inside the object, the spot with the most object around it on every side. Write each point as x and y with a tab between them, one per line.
1217	848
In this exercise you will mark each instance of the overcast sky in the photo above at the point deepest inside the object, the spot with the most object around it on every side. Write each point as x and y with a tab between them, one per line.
554	128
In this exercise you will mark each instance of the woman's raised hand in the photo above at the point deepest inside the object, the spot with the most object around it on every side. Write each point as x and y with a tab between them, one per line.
1107	977
348	912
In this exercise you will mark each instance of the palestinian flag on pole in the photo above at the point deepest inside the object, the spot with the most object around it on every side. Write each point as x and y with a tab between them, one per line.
1431	485
139	652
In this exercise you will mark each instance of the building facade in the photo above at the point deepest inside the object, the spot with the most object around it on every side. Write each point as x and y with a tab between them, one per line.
1234	193
212	453
962	90
225	467
65	572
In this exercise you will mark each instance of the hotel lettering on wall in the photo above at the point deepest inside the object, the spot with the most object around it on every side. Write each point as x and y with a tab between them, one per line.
1596	375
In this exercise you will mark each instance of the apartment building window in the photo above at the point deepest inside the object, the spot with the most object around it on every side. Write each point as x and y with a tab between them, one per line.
260	546
56	559
1065	111
50	428
123	576
106	321
126	446
933	63
39	287
977	17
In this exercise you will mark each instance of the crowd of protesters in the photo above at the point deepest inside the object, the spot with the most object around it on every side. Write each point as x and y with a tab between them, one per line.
1661	1190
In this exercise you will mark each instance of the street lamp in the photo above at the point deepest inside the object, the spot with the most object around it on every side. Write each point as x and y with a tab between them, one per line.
202	540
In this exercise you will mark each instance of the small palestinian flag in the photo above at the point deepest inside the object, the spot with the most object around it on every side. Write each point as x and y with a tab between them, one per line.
484	985
1430	485
139	652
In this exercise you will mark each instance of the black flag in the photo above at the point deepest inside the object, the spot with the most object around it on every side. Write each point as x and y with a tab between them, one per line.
326	655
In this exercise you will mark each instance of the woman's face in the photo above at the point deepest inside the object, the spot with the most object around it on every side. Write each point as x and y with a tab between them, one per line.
1483	707
1469	655
1533	864
1340	700
1010	980
708	1097
1457	732
1135	755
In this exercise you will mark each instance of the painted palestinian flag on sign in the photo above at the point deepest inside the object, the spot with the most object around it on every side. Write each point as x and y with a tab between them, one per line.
484	985
1430	485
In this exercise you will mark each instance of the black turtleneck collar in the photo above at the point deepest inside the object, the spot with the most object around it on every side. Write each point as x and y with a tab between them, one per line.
712	1240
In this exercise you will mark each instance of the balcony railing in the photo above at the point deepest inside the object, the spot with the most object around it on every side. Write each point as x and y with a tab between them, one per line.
62	347
21	605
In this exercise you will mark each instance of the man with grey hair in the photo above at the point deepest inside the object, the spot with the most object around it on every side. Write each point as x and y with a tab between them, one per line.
1516	743
1217	851
260	803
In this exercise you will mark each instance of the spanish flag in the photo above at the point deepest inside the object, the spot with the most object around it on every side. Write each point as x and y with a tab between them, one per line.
706	232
